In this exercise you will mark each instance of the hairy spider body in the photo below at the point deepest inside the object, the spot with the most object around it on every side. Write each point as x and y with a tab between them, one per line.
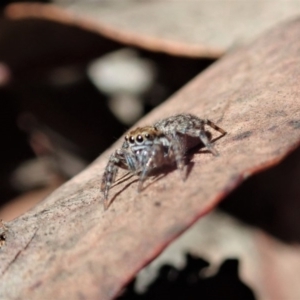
149	147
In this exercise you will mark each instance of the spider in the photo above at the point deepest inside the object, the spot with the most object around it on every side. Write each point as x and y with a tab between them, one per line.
149	147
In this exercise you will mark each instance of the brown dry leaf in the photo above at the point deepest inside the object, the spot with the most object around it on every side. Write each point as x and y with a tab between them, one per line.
68	247
85	17
187	28
210	25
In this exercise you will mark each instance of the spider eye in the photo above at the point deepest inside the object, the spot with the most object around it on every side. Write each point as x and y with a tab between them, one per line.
147	135
126	138
139	138
131	140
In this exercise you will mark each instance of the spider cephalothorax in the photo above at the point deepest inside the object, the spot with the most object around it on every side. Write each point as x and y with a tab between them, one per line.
141	137
149	147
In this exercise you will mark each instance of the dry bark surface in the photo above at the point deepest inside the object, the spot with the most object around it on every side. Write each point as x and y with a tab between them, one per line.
69	247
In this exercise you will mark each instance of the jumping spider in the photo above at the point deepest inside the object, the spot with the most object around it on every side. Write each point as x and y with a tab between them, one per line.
149	147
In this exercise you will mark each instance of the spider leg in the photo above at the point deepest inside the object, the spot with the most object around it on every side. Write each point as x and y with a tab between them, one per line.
204	139
178	153
214	126
109	175
121	158
151	157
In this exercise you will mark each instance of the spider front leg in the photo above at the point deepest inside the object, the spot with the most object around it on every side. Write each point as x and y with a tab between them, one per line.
204	139
178	154
151	157
121	158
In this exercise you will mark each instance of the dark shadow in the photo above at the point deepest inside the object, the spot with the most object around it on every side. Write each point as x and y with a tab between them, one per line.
157	178
189	168
122	179
271	200
112	199
199	145
158	174
188	283
165	170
